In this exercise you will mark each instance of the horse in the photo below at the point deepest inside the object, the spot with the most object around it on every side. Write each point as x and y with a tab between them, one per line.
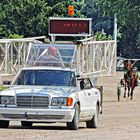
130	81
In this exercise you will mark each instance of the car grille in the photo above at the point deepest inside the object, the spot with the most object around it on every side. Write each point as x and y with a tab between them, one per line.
32	101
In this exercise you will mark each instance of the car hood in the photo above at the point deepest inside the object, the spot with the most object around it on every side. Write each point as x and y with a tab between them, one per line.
39	91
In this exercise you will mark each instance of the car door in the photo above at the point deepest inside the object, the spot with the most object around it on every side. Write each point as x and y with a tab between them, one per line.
91	96
84	96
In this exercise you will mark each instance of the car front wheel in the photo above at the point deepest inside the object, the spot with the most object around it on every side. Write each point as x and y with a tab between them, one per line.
4	124
26	124
74	125
93	123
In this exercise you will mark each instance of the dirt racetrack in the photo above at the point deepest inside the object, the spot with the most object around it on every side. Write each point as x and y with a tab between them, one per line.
119	121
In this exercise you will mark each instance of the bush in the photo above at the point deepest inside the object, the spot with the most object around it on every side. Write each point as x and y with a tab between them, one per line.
99	36
14	36
3	87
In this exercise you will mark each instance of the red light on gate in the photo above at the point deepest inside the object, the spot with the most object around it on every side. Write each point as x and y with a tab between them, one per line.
71	10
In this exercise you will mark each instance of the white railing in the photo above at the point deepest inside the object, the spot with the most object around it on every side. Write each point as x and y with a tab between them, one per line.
13	53
96	58
90	58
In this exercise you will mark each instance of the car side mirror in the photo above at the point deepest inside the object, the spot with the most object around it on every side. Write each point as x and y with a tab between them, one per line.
78	76
6	82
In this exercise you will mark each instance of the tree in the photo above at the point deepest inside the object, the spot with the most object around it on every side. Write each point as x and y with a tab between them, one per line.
24	17
99	20
127	12
30	17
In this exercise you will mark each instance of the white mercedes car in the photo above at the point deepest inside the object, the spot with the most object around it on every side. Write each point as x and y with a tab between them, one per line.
50	94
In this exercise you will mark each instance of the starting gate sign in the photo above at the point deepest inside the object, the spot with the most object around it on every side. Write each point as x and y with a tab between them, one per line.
69	26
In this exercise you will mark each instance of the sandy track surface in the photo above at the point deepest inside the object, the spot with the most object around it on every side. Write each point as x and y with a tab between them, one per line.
119	121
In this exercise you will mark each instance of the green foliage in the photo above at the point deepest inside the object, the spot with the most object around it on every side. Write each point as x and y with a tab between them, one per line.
15	36
30	17
3	87
24	17
99	36
138	41
90	9
77	9
99	20
127	12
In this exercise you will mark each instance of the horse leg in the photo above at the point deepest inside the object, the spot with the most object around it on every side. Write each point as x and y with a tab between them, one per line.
134	83
128	91
125	91
128	88
132	89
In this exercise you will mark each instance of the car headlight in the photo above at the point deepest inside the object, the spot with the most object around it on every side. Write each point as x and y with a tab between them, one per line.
62	101
9	100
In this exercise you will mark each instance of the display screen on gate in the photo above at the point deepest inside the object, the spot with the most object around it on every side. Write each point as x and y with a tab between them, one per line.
70	27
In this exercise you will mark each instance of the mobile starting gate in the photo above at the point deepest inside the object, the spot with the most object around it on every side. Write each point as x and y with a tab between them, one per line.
89	57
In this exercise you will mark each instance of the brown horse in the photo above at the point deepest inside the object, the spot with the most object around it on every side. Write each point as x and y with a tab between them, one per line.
131	81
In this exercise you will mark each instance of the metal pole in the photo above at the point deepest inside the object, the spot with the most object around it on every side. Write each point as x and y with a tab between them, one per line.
6	58
115	38
53	39
115	28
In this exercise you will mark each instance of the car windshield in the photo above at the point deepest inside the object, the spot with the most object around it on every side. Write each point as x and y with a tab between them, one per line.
46	77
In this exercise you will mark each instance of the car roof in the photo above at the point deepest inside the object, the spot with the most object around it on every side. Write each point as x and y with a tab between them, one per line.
48	68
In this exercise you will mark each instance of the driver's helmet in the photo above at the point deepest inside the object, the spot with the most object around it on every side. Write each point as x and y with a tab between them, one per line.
135	69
